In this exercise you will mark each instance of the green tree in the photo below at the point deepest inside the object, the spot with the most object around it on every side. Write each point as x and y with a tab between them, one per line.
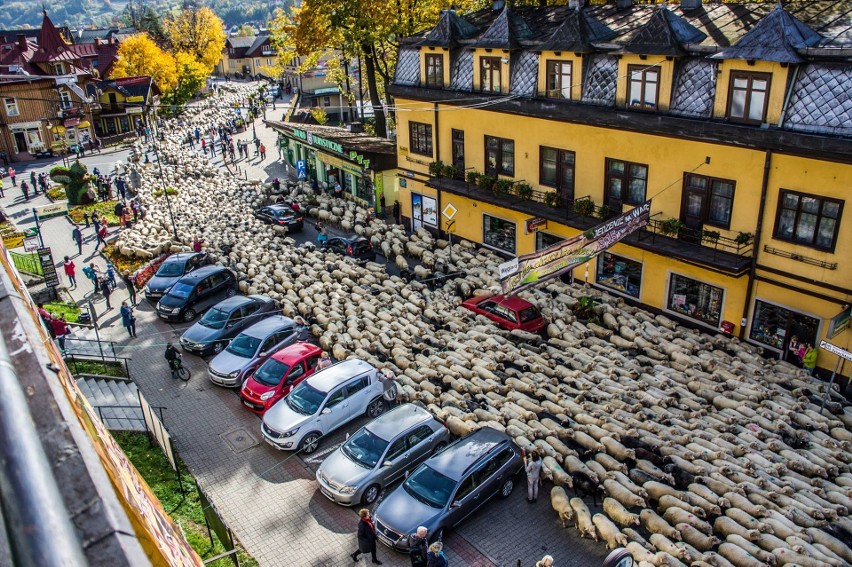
140	16
197	32
245	31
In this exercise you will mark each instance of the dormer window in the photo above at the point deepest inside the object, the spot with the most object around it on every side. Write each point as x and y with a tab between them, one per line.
644	87
489	74
559	79
266	50
64	99
748	96
435	70
58	69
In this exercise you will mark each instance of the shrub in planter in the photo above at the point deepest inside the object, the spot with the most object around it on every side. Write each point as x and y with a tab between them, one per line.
585	207
436	168
671	227
449	171
524	190
711	235
473	177
551	199
585	308
743	238
604	212
486	182
502	186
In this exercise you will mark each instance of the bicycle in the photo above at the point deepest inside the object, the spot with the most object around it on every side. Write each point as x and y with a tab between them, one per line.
182	372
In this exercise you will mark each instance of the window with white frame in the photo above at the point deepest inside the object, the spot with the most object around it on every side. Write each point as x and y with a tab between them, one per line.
64	99
11	107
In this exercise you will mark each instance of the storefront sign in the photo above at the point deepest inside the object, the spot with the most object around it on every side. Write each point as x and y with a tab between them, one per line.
355	156
54	210
31	244
534	225
828	347
51	278
531	269
341	164
317	141
839	323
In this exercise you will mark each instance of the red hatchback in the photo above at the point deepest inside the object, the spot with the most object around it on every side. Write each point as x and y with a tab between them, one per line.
278	375
510	312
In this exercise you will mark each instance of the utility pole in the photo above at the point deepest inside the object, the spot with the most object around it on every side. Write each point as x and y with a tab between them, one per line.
165	190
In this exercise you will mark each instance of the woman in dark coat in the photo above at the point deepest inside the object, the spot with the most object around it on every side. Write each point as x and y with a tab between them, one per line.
366	537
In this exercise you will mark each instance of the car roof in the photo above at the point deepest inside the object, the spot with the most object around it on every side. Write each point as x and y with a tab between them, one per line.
277	206
202	272
296	352
456	459
399	420
180	256
266	327
233	303
334	375
513	302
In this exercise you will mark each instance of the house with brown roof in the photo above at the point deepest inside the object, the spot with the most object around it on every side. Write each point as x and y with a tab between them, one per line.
250	56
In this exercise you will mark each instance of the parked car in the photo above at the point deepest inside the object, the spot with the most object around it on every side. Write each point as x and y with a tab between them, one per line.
509	312
354	246
170	271
223	321
281	215
380	453
195	292
449	486
321	404
250	349
278	375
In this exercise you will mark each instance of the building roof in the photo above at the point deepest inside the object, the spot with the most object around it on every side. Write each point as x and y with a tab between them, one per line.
349	140
665	33
52	47
90	35
506	31
259	41
451	29
131	86
11	54
239	41
577	32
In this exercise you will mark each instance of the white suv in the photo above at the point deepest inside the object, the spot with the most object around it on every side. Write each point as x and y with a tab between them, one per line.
322	403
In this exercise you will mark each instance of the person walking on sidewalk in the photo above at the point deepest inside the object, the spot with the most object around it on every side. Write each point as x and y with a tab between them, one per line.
25	189
70	271
96	223
2	193
33	182
436	557
262	152
396	213
106	289
77	237
130	283
92	273
128	319
101	234
204	145
532	464
60	330
366	537
12	175
256	147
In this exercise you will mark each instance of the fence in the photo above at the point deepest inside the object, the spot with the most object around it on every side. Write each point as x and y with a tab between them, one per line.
28	263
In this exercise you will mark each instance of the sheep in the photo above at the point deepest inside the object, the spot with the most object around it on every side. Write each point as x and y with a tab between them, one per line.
562	504
615	510
609	532
655	524
583	519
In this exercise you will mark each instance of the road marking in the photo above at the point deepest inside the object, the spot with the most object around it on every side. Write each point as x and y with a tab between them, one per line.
317	457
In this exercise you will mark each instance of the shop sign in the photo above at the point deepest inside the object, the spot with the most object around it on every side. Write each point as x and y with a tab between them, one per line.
318	141
534	225
49	211
403	183
839	322
51	278
828	347
341	164
31	244
355	156
531	269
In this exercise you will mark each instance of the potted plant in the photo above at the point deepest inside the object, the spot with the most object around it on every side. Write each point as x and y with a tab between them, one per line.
585	207
585	308
743	238
671	227
711	236
551	199
604	212
486	182
524	190
436	168
473	177
450	171
502	186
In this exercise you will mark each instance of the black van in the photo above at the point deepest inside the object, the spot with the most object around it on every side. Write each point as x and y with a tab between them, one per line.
195	292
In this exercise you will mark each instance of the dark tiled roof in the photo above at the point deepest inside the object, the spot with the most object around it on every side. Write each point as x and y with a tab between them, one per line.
90	35
576	33
524	74
505	32
600	80
11	54
695	88
408	67
664	34
821	97
450	30
775	38
462	77
130	86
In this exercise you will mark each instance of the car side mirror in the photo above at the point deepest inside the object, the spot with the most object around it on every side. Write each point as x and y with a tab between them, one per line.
456	504
326	411
387	463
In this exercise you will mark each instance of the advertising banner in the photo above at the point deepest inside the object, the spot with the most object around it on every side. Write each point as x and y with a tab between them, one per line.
532	269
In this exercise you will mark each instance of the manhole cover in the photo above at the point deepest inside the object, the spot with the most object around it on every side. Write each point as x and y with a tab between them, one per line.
239	440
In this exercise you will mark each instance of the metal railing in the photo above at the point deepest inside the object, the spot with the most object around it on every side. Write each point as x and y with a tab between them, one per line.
28	263
74	362
102	417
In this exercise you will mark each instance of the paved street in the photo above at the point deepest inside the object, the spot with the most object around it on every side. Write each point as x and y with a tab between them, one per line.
269	498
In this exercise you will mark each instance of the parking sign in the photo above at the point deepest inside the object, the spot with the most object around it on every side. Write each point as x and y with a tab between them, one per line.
301	169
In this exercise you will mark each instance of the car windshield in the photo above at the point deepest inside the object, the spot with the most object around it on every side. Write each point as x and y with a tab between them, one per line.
304	399
271	372
529	314
365	448
429	486
244	346
182	290
214	319
170	269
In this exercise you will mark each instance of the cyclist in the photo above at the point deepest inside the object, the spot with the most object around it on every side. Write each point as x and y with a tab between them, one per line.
173	356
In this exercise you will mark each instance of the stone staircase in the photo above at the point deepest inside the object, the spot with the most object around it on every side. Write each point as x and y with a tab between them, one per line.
108	393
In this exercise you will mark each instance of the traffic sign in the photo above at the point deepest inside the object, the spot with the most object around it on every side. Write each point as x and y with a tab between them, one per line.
301	169
827	346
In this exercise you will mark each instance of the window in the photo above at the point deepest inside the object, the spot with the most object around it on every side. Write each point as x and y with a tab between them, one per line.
465	488
559	79
358	385
556	169
544	240
58	69
626	181
696	300
619	273
499	156
774	326
748	96
435	70
296	372
64	99
11	107
396	449
266	50
808	220
420	138
717	198
489	74
418	436
498	233
644	86
326	101
337	397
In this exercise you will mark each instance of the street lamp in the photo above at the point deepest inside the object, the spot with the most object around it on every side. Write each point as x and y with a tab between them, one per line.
165	190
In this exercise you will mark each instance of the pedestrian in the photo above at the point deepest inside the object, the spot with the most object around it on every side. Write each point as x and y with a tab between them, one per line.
60	330
33	182
256	146
324	361
793	350
130	284
2	193
204	145
25	189
321	235
110	273
389	388
546	561
396	213
809	359
128	319
101	236
45	317
104	222
134	206
212	146
532	464
366	537
86	218
196	244
12	175
106	290
436	557
302	331
91	272
70	271
418	547
383	206
96	223
262	152
77	237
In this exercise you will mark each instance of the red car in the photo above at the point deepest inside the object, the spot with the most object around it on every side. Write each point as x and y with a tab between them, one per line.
510	312
278	375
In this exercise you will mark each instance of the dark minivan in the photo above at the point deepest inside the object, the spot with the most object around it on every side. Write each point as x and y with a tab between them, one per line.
197	291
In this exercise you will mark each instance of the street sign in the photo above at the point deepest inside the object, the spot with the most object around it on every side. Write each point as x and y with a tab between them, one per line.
301	169
31	243
449	211
839	322
51	278
828	347
49	211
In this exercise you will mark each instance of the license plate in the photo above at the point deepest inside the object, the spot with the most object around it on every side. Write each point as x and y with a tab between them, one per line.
327	494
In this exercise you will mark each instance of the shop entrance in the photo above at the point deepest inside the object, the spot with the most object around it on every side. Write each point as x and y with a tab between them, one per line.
775	326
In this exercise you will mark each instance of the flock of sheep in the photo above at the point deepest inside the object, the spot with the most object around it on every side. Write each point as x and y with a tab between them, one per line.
703	452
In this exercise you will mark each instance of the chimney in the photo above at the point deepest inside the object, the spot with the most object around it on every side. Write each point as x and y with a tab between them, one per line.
690	4
622	4
111	40
22	42
498	5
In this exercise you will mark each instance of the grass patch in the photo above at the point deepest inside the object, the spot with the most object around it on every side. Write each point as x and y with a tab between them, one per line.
101	208
57	194
123	263
155	469
97	367
70	310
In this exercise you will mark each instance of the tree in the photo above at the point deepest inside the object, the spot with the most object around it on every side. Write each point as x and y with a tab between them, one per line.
140	16
190	74
197	32
245	31
139	55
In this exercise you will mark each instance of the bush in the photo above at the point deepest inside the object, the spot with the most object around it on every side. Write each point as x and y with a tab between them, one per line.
672	227
604	212
436	168
473	177
551	199
56	194
450	171
743	238
711	235
585	207
70	310
486	182
524	190
502	186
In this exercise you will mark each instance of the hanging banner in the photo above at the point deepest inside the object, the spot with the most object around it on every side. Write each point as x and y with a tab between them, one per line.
531	269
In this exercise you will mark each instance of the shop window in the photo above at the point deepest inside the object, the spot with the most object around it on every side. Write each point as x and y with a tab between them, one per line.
696	300
625	181
420	138
435	70
748	96
619	273
11	107
489	74
499	156
559	79
498	233
775	326
808	220
644	86
545	240
556	169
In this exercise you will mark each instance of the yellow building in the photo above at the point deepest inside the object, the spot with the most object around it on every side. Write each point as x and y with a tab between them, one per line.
126	104
251	56
536	123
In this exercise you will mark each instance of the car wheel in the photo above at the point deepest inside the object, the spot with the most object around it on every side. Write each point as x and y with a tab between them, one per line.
370	495
310	443
231	292
438	448
507	487
189	315
376	408
217	347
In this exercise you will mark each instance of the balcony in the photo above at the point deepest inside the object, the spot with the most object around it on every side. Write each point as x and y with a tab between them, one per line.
703	248
71	112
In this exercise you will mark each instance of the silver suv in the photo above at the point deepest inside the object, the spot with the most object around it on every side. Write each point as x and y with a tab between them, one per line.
380	453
